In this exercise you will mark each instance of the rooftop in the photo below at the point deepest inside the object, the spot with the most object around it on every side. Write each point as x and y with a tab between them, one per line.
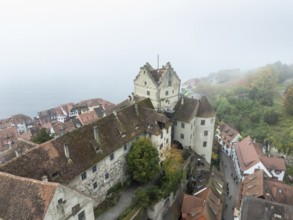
23	198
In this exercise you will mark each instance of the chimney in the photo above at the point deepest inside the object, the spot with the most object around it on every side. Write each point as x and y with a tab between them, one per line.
45	178
96	134
182	100
66	151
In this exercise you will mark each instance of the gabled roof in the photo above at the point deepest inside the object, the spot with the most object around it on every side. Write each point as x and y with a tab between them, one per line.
157	74
255	208
188	108
252	185
113	131
227	133
246	153
23	198
279	191
205	109
274	163
87	117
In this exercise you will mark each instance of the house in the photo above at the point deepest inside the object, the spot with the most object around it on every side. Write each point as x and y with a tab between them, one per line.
255	208
91	159
260	186
227	137
207	204
20	121
162	86
87	117
194	122
58	128
248	157
33	199
7	137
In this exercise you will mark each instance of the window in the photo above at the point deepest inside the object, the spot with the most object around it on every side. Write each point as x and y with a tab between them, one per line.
167	130
169	83
94	168
204	144
145	83
167	140
205	133
148	93
182	125
175	122
106	176
60	201
166	93
112	156
81	216
95	185
182	136
83	176
161	135
125	147
161	146
202	122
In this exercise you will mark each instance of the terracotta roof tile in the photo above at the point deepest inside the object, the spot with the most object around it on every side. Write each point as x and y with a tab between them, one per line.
23	198
274	163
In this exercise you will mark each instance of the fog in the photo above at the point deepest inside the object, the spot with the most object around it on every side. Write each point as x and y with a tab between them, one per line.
53	52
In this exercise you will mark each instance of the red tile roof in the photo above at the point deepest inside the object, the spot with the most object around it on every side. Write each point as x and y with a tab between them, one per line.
227	133
23	198
246	153
274	163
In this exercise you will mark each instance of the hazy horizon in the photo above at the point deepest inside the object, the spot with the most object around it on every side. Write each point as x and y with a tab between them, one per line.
55	52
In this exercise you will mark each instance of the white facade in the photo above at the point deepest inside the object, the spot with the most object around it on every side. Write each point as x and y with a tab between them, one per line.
196	136
21	127
251	170
204	136
163	91
71	205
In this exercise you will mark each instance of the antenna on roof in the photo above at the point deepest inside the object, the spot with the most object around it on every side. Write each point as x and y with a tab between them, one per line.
158	63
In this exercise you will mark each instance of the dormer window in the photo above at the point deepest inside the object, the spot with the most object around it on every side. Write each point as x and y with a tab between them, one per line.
83	176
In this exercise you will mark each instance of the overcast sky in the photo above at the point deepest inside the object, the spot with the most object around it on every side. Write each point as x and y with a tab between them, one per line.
60	49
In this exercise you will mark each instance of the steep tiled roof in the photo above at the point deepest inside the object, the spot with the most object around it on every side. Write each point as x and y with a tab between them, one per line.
87	117
205	109
274	163
61	128
186	109
279	192
192	207
96	102
7	135
227	133
23	198
84	150
246	153
254	208
252	185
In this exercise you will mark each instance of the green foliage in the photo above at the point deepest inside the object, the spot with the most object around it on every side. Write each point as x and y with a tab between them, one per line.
288	101
271	117
263	84
42	136
143	160
147	197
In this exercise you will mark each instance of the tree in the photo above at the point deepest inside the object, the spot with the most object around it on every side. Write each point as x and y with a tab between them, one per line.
271	117
143	160
42	136
263	84
288	101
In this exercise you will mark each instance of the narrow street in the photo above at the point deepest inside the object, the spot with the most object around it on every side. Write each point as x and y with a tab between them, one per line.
231	199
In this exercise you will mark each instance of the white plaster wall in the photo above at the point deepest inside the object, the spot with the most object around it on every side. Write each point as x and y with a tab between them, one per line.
165	140
280	176
259	165
144	83
116	170
209	125
188	131
70	199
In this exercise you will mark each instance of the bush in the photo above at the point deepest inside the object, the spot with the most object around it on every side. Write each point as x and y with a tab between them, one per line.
271	117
